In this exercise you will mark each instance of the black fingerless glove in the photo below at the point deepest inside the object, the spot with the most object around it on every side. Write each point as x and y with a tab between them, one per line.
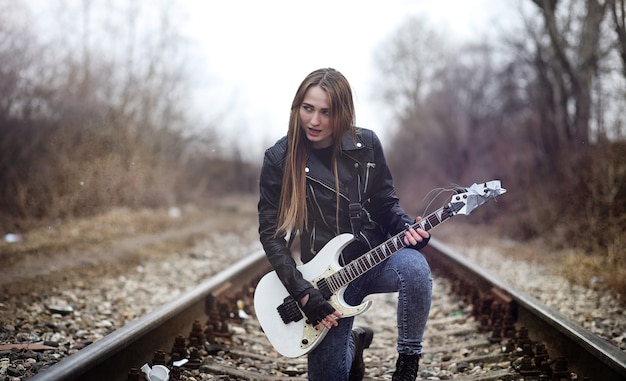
421	245
316	308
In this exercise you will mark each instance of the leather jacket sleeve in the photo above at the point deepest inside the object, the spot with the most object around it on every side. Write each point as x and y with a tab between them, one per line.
275	247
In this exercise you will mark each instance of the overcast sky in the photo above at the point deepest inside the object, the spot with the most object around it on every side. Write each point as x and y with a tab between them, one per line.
249	56
255	53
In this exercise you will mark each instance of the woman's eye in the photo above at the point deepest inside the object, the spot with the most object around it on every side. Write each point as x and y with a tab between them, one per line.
326	112
307	108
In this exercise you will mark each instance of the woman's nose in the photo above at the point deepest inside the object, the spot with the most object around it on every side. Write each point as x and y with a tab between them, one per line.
315	119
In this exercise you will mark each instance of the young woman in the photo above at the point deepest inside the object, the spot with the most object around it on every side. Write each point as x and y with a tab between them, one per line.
310	184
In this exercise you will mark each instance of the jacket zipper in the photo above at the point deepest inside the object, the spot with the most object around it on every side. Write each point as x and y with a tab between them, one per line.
367	175
327	187
312	239
369	244
318	207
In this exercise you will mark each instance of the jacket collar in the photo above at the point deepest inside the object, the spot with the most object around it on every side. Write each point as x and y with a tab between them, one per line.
351	142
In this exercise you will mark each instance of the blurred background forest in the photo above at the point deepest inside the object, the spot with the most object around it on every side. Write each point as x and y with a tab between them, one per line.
97	117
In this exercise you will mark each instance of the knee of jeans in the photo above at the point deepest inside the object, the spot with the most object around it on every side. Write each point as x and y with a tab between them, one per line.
412	264
413	259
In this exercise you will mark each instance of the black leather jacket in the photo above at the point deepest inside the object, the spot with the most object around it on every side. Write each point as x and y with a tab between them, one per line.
381	215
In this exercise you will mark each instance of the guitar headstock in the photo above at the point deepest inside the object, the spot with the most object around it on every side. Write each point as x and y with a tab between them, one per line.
468	199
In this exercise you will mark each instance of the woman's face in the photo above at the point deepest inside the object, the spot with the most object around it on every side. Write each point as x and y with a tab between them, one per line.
315	117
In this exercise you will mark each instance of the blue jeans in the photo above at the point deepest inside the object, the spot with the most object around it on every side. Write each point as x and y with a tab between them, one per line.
405	272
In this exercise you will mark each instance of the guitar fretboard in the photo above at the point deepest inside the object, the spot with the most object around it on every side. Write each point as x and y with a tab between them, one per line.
386	249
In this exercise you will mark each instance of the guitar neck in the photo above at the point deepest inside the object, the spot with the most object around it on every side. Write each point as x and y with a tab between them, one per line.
386	249
436	218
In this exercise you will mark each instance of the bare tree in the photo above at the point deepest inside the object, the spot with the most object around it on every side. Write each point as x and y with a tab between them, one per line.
571	99
93	108
448	110
408	64
618	12
574	60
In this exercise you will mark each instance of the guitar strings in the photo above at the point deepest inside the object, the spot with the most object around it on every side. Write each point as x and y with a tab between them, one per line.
450	189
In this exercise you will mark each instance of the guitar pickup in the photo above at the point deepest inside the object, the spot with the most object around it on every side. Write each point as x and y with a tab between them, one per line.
322	285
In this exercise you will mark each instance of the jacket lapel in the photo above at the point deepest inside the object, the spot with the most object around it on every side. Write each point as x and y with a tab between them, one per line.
348	165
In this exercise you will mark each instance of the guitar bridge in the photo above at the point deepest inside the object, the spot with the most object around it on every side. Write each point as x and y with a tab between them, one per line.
289	311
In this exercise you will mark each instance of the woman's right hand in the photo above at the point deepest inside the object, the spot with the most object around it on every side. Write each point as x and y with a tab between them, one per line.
318	310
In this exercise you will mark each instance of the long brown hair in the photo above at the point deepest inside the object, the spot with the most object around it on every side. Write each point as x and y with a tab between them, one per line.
292	215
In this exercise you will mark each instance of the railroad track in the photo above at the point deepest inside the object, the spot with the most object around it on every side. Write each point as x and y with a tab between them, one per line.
479	329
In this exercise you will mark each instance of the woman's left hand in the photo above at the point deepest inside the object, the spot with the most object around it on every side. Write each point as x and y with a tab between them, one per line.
415	236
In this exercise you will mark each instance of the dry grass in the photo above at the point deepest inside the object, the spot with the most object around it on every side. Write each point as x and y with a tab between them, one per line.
597	271
117	223
77	233
600	270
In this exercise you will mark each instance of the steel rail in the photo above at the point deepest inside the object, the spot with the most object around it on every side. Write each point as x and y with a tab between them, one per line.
587	354
111	357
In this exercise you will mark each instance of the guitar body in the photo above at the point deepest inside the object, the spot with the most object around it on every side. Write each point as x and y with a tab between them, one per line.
297	338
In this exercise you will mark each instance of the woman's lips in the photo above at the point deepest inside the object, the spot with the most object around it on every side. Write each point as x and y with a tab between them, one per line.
313	131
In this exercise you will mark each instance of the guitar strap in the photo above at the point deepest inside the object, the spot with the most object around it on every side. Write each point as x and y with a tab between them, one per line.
355	206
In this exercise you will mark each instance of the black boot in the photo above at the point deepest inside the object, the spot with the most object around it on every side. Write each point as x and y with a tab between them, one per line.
406	368
362	339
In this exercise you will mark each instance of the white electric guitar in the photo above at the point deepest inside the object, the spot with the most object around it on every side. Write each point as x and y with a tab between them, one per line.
286	326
